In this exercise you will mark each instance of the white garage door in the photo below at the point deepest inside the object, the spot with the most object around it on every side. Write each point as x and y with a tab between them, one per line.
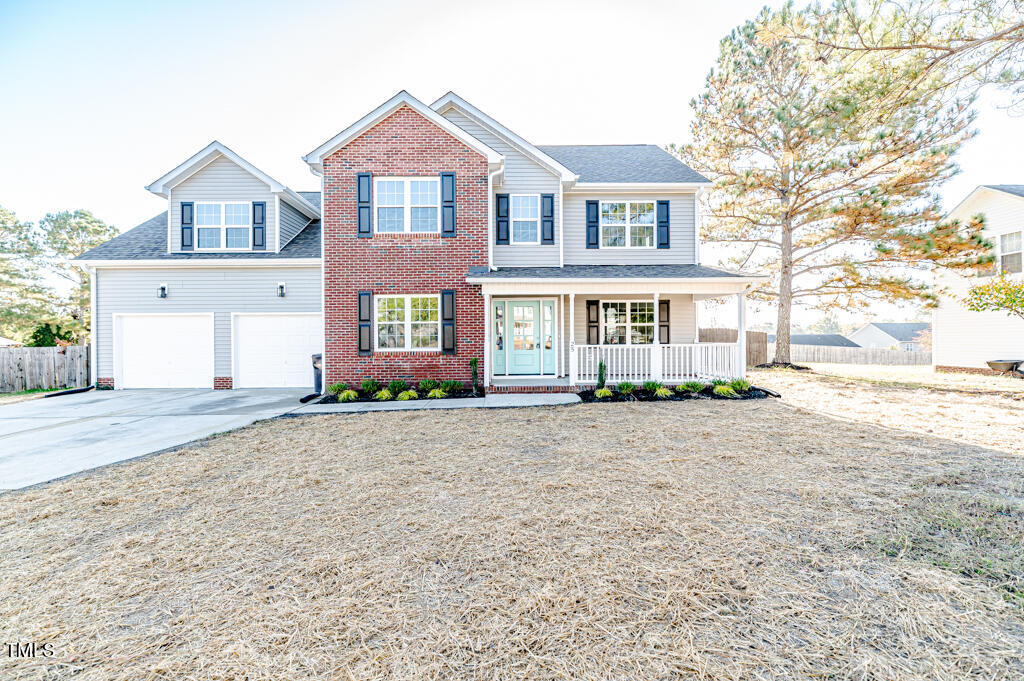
163	351
273	351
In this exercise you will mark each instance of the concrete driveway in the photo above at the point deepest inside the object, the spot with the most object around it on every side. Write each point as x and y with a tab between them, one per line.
49	438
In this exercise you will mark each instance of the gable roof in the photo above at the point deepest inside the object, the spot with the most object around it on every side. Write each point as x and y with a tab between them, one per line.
315	158
211	152
832	339
1015	190
452	100
902	331
624	163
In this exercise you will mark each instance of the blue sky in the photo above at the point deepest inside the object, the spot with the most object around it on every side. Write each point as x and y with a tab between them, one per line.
101	98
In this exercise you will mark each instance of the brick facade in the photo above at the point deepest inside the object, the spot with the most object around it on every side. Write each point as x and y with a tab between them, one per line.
222	383
104	383
406	144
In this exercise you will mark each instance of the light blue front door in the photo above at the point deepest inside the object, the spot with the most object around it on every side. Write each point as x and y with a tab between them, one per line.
524	350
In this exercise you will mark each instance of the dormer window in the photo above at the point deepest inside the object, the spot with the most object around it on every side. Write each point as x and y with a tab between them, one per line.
223	226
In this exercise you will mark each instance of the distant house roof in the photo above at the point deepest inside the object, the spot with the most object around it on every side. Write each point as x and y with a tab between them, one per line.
7	342
1017	189
833	339
903	331
616	163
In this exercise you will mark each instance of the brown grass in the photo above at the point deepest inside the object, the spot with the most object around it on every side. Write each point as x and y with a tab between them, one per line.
702	540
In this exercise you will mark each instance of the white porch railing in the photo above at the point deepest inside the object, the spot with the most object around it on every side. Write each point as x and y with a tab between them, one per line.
679	362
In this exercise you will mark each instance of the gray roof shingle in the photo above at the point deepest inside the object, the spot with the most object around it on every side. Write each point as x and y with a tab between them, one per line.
622	163
608	272
1017	189
903	331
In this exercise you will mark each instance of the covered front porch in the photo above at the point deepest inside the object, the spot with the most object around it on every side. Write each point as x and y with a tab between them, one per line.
552	328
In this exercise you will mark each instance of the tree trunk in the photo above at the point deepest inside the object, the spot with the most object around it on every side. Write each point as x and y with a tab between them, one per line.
785	317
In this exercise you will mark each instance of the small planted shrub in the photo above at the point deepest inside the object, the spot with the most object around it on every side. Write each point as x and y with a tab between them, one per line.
740	385
397	387
337	388
474	365
651	386
407	395
370	386
663	393
626	388
451	386
602	393
437	394
602	374
724	390
691	387
428	384
383	395
719	381
347	396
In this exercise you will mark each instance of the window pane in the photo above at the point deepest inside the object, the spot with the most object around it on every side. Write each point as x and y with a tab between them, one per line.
390	309
237	238
1010	243
525	207
524	231
423	192
1011	263
390	219
236	214
391	335
642	334
614	313
615	335
208	238
641	236
641	213
613	213
642	313
390	192
424	335
613	235
208	214
423	309
422	219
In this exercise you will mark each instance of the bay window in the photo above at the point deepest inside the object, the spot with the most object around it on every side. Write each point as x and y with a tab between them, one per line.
627	323
408	322
223	226
627	224
407	204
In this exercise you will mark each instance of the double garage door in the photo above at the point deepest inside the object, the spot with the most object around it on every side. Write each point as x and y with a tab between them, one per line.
180	350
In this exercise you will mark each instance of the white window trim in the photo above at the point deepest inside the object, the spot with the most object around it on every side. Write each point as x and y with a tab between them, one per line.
628	202
1000	253
628	324
407	205
407	323
223	227
511	221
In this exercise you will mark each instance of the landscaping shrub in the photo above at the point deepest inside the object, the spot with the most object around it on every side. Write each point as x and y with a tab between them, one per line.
719	381
691	387
602	374
398	386
724	390
651	386
383	395
602	393
451	386
407	395
663	393
473	365
428	384
347	396
437	394
337	388
370	386
740	385
626	388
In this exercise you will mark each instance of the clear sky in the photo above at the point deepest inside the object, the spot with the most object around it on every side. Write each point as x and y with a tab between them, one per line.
101	98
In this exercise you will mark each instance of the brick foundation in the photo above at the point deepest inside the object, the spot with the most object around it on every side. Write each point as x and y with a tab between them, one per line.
404	144
104	383
222	383
968	370
506	389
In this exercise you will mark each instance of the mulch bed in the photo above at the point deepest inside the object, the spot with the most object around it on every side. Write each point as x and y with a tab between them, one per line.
333	399
641	395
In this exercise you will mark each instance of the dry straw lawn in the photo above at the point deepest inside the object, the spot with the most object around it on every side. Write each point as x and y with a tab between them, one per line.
698	540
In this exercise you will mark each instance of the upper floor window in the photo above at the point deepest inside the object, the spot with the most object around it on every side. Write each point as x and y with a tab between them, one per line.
407	204
1010	253
222	226
525	218
627	323
408	322
627	224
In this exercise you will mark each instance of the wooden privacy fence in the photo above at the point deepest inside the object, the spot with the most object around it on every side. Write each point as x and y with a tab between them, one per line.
757	342
43	368
829	354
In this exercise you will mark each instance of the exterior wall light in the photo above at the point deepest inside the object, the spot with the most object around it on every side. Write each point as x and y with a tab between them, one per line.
280	289
162	291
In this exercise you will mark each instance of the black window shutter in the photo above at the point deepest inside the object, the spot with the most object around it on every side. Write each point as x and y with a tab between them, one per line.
593	232
259	226
365	322
187	210
547	218
664	335
593	322
663	224
501	219
364	190
447	204
448	322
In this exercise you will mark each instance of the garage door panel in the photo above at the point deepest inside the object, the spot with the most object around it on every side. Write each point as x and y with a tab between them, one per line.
164	351
273	351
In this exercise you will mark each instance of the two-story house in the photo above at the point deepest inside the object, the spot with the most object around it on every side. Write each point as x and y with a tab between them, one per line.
438	236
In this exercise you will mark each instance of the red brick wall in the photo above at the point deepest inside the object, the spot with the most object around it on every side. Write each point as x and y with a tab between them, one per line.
104	382
222	383
405	143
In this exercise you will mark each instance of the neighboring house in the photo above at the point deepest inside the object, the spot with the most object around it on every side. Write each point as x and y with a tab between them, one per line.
890	335
831	339
438	236
964	339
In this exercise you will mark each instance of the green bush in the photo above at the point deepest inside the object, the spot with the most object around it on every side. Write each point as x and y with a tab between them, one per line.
451	386
724	391
719	381
691	387
437	394
602	374
602	393
407	395
46	336
428	384
663	393
474	365
383	395
370	386
740	386
651	386
337	388
398	387
347	396
626	388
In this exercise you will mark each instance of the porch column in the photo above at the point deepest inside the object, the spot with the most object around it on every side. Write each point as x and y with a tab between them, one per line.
656	347
572	339
741	334
487	339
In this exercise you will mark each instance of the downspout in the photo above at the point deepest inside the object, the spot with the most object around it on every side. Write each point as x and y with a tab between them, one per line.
490	216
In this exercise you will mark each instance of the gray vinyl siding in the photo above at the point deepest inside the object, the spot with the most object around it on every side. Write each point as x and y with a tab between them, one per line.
522	176
221	180
221	291
292	222
681	228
